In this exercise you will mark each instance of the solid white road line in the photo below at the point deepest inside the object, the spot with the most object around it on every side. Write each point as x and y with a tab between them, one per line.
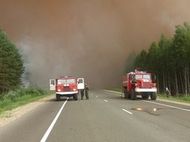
127	111
44	138
106	101
117	92
168	106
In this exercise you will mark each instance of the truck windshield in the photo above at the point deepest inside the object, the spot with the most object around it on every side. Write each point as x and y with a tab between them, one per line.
144	76
138	76
70	81
61	81
65	81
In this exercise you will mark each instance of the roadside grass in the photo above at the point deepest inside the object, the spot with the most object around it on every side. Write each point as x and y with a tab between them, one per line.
179	98
19	97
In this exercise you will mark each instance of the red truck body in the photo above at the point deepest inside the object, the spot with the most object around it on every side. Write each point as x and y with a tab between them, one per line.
139	83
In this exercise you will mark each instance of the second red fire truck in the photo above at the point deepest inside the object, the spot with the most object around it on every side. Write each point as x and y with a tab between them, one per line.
139	83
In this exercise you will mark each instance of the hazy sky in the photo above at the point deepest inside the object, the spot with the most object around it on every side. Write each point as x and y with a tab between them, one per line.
90	38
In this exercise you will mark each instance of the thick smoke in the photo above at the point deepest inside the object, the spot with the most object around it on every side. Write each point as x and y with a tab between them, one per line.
90	38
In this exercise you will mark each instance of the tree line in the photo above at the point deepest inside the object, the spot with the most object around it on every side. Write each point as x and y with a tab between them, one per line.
169	59
11	64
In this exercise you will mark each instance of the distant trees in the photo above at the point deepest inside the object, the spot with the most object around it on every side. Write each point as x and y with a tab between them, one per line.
11	64
169	59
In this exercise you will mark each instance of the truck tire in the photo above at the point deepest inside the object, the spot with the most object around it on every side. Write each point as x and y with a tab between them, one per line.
57	97
145	96
126	95
75	97
133	95
153	96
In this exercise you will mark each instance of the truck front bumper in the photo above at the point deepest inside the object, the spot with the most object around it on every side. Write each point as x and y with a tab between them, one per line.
67	94
151	90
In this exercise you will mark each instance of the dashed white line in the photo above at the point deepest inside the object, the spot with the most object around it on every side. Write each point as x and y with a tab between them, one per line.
127	111
168	106
106	101
44	138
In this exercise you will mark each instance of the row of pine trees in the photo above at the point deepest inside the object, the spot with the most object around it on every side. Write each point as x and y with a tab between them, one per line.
11	64
169	59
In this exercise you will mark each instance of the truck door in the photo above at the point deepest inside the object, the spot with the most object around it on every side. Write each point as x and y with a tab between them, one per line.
52	84
80	83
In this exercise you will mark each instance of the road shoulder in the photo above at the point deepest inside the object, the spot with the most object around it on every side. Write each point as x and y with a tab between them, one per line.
18	112
159	99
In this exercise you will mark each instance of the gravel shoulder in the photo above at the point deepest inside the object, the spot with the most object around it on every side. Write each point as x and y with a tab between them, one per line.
11	115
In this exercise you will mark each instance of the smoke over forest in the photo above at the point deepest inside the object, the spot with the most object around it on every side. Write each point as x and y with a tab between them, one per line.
90	38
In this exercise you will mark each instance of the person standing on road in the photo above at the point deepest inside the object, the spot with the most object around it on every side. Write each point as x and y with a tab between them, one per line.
168	93
82	93
86	91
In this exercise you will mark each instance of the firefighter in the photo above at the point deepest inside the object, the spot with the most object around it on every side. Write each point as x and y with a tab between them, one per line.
168	93
82	93
86	91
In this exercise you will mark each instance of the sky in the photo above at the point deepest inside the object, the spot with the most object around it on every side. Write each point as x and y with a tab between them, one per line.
94	39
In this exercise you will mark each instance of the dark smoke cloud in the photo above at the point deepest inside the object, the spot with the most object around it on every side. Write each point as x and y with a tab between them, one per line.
90	38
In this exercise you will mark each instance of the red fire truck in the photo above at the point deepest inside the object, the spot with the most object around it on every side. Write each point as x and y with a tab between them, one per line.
139	83
65	86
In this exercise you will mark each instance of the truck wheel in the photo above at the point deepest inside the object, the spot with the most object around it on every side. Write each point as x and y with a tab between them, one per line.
145	96
133	95
153	96
57	97
126	95
75	97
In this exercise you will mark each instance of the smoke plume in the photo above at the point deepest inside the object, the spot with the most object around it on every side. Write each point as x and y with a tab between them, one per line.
87	38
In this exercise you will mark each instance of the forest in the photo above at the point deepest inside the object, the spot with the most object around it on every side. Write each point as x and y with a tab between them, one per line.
169	60
11	64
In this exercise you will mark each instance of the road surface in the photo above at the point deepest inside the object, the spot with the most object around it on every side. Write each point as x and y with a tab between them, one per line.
106	117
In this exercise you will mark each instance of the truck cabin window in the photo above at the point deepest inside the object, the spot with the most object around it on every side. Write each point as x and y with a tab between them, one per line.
80	81
140	76
70	81
146	76
65	81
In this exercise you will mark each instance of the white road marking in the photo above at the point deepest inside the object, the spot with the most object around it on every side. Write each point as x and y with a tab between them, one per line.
117	92
106	101
127	111
44	138
168	106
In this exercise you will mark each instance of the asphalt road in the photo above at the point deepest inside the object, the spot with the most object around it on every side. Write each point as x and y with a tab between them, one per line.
106	117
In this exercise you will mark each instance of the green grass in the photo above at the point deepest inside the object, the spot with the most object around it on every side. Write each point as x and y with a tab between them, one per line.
181	98
16	98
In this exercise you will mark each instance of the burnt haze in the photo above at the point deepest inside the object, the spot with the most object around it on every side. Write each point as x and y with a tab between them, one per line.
90	38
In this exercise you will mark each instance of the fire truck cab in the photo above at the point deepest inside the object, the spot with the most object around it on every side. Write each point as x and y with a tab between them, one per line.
139	83
65	86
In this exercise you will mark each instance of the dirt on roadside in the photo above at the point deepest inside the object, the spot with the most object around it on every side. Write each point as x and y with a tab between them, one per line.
16	113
